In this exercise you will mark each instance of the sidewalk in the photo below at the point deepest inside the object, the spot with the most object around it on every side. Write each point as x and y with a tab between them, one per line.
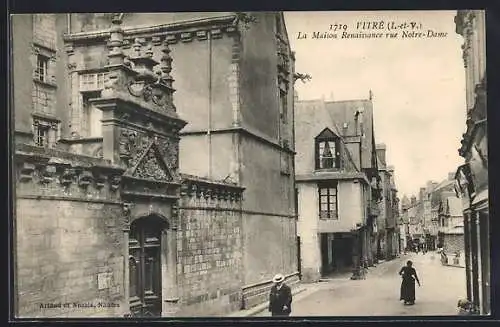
299	289
303	290
379	293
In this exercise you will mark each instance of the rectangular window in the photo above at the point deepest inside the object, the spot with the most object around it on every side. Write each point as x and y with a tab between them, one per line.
92	82
92	116
328	202
42	63
42	136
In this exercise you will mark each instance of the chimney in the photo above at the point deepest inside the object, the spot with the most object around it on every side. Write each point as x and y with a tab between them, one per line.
295	95
430	186
413	200
405	202
421	194
381	149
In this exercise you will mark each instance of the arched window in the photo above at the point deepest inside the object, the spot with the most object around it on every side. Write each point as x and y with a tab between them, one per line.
327	152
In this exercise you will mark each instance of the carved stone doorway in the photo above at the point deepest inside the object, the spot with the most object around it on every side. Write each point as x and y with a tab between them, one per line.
145	276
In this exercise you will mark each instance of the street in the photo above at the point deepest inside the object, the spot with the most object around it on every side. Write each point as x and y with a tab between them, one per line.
378	294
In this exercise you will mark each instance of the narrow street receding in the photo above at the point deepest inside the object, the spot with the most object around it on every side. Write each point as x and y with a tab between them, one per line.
378	294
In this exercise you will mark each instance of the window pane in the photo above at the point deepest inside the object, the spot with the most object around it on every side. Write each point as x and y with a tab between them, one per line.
95	122
323	214
133	277
323	191
324	207
327	162
332	147
332	190
327	151
151	269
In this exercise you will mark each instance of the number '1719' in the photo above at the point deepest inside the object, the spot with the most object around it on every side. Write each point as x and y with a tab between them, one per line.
338	27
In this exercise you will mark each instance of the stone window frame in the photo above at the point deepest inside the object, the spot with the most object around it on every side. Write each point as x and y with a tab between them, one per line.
327	137
41	68
89	82
50	125
325	191
88	114
48	56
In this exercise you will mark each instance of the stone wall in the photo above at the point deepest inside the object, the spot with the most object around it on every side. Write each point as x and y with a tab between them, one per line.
210	264
453	243
22	28
308	231
69	252
68	237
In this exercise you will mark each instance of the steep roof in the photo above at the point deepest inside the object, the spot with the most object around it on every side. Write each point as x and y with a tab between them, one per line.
311	118
344	112
454	206
444	185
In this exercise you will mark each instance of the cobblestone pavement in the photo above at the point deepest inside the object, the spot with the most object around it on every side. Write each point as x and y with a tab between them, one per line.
378	294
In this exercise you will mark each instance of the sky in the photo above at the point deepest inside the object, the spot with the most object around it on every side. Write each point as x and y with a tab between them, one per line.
418	84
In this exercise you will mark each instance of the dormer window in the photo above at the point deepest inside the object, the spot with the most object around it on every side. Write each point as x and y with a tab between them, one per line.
327	150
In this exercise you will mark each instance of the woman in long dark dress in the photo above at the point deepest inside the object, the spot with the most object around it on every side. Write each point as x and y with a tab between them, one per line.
409	275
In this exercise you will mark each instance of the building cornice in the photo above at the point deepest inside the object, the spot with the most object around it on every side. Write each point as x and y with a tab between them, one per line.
194	186
245	130
178	31
323	176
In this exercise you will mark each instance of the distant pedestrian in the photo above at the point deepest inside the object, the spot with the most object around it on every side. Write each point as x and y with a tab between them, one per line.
280	298
409	275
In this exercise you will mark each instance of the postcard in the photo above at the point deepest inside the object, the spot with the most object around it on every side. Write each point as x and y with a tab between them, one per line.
249	164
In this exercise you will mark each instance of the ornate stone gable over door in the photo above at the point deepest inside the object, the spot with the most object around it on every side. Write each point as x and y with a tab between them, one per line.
140	129
152	166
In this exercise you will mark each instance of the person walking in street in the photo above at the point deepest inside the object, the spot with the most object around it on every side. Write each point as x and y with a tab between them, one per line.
409	275
280	298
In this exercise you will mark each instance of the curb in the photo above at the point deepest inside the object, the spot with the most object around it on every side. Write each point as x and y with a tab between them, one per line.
451	265
263	306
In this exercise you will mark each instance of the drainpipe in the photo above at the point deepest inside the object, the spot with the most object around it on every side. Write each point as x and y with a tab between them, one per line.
209	137
69	22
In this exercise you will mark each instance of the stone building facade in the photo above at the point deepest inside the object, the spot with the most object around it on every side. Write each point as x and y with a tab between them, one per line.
338	186
387	241
472	177
131	200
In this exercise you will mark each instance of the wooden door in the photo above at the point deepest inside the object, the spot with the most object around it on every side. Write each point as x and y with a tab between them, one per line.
145	269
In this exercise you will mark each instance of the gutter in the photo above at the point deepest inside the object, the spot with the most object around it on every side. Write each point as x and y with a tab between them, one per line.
331	175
